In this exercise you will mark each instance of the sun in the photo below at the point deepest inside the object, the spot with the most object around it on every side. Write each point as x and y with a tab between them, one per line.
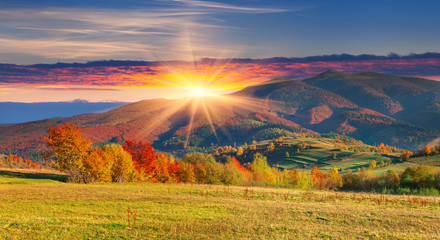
199	91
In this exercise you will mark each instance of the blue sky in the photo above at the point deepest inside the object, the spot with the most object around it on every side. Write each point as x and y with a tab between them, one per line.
79	31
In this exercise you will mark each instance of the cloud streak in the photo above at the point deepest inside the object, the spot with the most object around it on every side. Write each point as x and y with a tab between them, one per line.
78	89
232	74
229	7
73	34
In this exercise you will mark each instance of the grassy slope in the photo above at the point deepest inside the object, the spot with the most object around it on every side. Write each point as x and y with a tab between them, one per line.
320	154
47	209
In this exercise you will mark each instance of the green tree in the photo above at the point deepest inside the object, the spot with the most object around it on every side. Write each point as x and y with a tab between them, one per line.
390	180
207	170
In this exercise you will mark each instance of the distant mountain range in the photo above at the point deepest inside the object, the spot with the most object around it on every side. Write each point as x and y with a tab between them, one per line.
372	107
17	112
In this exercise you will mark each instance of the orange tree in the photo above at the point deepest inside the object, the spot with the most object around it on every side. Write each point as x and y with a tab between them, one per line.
68	150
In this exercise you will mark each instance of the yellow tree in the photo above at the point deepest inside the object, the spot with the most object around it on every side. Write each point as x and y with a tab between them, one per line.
239	151
334	180
372	164
261	170
122	166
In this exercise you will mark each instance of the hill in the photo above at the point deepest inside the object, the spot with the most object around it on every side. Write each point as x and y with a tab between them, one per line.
405	98
326	152
280	107
354	105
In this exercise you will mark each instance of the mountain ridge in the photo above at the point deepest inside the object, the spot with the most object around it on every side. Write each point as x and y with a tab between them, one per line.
277	107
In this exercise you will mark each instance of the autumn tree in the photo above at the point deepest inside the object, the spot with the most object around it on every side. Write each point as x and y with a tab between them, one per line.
348	180
206	169
407	154
390	180
302	179
372	164
239	151
163	171
318	178
187	174
68	149
271	147
168	170
427	150
144	159
261	170
97	167
333	179
233	173
122	169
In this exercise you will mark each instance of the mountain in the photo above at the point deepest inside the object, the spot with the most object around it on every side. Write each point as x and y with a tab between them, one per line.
23	112
167	123
411	99
365	106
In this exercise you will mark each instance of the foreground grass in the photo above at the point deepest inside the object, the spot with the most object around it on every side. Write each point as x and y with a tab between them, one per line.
48	209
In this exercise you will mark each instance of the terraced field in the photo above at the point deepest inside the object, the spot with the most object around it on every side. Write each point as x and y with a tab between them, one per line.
326	153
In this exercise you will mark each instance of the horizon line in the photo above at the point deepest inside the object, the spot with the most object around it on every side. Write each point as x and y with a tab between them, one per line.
208	60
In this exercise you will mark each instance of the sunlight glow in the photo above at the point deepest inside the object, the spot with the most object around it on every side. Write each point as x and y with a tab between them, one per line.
206	101
200	91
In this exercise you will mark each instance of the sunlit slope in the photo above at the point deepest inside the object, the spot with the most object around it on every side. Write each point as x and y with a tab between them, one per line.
326	153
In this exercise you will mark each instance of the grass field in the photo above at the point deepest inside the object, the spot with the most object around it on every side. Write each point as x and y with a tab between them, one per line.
36	206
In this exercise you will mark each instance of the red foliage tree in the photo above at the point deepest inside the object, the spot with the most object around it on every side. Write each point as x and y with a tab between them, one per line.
143	155
238	165
318	177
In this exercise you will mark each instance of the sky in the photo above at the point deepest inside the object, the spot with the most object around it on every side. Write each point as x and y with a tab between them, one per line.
51	31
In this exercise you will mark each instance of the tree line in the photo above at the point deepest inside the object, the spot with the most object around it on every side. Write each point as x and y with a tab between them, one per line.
137	161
